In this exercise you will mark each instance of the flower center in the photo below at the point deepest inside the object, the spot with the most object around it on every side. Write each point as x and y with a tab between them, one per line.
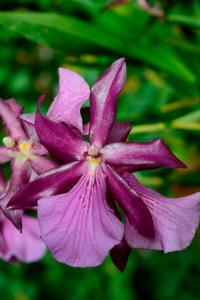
93	151
93	157
25	147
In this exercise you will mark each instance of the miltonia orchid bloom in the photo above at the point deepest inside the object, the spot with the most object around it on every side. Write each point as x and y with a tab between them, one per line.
15	246
79	219
23	150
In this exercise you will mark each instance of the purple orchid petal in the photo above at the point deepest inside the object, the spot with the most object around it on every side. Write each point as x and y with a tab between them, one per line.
21	172
73	92
47	184
119	132
120	254
134	156
175	220
26	246
103	102
79	227
2	183
42	164
59	139
11	121
133	207
4	155
28	121
14	106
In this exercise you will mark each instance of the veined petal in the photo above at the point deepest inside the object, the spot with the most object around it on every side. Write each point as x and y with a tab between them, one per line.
134	156
4	155
132	205
12	123
79	227
120	254
175	220
42	164
119	132
73	92
59	139
103	102
54	181
26	246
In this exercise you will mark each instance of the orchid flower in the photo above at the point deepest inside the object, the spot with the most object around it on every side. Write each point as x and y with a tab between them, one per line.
15	246
23	150
79	219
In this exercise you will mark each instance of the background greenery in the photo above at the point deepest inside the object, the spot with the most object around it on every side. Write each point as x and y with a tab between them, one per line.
161	97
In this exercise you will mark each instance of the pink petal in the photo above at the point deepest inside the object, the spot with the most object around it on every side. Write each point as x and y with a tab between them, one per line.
175	220
26	246
14	106
52	182
73	92
131	204
20	175
4	155
11	121
103	102
42	164
2	183
60	140
138	155
79	227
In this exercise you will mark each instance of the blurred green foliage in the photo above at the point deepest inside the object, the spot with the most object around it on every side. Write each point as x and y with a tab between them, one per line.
161	98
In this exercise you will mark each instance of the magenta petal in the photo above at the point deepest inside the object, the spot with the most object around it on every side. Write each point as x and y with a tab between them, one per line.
132	205
47	184
11	121
79	227
103	102
4	155
119	132
120	254
14	106
134	156
59	139
42	164
175	220
73	92
26	246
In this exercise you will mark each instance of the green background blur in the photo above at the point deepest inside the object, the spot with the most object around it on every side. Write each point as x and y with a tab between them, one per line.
161	98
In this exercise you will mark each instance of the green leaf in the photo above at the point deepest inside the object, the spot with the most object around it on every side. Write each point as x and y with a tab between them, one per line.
193	22
74	36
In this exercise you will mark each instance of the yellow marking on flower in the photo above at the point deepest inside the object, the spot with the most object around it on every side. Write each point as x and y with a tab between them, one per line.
25	148
8	141
94	163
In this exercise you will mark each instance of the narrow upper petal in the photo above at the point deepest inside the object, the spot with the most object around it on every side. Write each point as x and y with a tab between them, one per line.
4	155
42	164
138	155
14	106
131	204
119	132
73	92
120	254
79	227
54	181
61	141
103	102
175	220
26	246
12	123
